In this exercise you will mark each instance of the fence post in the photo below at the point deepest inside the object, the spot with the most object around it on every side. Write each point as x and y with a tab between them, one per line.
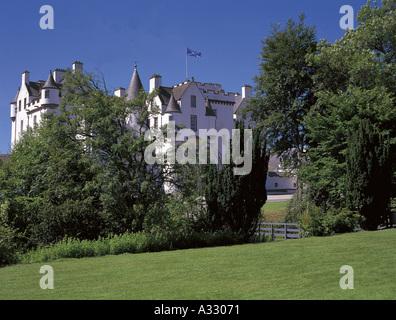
259	229
272	232
285	231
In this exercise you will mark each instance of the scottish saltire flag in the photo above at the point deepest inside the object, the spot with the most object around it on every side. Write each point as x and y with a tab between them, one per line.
192	53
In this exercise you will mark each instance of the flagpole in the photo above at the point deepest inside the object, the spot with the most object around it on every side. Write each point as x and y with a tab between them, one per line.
186	66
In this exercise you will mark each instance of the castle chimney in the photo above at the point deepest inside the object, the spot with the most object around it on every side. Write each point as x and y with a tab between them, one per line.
246	91
58	75
155	82
119	92
77	65
25	77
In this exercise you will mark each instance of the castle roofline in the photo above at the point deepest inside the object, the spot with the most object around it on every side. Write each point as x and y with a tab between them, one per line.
15	101
173	106
134	86
50	83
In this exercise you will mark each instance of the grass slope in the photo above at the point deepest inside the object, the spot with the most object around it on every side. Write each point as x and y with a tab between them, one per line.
274	211
292	269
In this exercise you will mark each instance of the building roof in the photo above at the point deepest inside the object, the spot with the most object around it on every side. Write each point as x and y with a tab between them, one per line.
34	88
173	106
179	90
134	86
164	94
16	97
209	110
50	83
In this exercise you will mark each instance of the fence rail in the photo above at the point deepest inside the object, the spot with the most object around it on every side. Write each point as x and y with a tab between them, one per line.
285	230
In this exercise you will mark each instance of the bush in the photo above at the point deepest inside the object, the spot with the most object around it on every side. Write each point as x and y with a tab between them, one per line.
316	222
70	219
341	221
295	207
130	243
310	221
7	245
7	238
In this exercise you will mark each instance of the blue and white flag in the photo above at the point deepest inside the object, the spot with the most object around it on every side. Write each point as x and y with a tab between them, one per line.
192	53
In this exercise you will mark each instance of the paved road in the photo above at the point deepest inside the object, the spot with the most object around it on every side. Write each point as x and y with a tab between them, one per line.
278	197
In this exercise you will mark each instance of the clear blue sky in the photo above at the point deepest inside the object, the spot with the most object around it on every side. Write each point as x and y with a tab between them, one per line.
107	35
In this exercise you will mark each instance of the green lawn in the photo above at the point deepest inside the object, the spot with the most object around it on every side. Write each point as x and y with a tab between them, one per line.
291	269
274	211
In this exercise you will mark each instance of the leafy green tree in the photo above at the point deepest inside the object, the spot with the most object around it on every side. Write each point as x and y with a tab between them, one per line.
368	174
328	123
354	80
47	169
110	129
81	173
283	88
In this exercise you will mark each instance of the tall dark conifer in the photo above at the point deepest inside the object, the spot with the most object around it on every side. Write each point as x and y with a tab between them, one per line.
368	174
235	201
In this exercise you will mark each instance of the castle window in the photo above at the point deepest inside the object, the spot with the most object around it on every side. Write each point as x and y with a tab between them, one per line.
35	120
20	103
24	103
193	101
21	126
276	185
156	122
171	118
47	94
193	120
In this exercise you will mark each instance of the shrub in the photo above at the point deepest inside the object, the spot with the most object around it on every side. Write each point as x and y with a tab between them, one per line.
311	221
341	221
7	245
130	243
7	239
317	222
295	207
72	218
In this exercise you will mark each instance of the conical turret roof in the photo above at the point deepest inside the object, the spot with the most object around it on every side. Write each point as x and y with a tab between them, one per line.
50	83
173	106
16	97
134	86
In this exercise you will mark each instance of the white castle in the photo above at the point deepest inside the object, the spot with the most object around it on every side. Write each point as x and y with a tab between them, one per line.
190	103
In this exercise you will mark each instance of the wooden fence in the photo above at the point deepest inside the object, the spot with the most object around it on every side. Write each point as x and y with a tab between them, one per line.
285	230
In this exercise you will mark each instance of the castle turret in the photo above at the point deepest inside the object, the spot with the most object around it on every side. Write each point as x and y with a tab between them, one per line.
14	105
50	93
134	86
173	106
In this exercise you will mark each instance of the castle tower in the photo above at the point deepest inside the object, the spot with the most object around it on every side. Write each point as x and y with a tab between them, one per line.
50	93
134	86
